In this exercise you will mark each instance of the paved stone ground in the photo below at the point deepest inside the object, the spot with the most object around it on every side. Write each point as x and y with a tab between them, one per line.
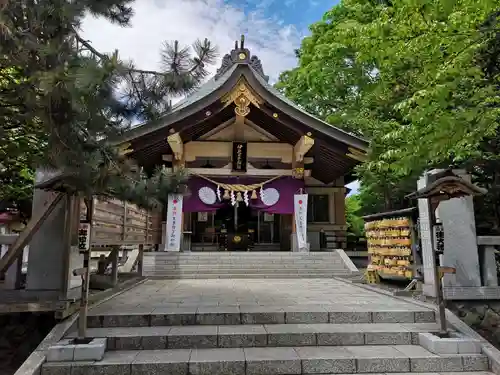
330	293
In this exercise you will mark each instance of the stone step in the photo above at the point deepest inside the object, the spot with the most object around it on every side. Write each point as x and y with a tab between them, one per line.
243	275
243	263
245	270
246	273
244	254
270	265
200	256
273	361
210	315
241	260
259	335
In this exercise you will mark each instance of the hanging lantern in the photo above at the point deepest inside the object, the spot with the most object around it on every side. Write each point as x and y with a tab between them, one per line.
239	198
254	194
226	195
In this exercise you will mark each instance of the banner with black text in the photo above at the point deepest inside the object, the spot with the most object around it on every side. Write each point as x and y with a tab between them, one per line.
300	211
174	223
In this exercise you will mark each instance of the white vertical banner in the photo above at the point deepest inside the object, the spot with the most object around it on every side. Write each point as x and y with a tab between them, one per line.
300	212
174	223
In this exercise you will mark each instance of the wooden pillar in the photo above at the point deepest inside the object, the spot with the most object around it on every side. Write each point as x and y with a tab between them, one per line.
339	207
72	211
340	217
140	260
114	265
125	212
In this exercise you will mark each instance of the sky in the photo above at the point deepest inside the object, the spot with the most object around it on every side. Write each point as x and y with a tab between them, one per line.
273	29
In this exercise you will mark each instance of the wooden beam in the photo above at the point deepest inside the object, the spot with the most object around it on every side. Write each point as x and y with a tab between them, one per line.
217	129
356	154
176	144
251	171
239	128
216	149
301	148
27	234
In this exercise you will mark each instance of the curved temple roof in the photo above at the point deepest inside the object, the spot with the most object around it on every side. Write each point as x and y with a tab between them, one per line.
238	58
204	104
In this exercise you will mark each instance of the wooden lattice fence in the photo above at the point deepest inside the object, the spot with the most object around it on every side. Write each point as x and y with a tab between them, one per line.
117	223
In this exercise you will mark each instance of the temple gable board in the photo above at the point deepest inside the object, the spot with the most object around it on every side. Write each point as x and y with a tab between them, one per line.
254	158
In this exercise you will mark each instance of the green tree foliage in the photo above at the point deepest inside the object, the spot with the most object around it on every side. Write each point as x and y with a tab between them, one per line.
21	144
63	102
419	79
355	224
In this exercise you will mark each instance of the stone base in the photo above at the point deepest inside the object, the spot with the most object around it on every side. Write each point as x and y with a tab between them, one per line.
295	246
455	344
67	351
471	293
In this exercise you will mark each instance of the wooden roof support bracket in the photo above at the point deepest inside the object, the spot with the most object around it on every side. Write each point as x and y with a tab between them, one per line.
177	146
356	154
124	149
301	148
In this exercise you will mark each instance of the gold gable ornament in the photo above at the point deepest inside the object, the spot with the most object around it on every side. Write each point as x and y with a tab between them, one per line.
242	96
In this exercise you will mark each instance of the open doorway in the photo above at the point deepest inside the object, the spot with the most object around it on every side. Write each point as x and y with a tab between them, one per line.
236	219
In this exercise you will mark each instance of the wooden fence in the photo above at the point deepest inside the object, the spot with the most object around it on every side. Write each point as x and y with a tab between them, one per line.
120	223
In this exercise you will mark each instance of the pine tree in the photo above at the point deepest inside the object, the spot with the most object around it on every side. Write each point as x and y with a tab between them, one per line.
69	99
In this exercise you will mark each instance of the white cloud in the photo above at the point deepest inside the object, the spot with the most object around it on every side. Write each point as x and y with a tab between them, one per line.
156	21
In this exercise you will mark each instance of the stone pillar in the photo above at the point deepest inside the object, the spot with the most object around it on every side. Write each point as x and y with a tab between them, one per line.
428	261
460	241
489	266
50	263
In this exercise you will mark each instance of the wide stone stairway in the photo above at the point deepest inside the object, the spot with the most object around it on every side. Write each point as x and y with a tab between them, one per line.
217	265
262	327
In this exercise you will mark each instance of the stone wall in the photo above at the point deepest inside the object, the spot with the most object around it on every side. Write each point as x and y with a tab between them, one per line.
482	316
20	334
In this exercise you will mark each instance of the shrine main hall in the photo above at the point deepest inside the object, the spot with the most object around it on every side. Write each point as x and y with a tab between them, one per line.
263	174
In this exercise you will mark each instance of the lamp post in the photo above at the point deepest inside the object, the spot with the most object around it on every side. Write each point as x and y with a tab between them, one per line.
447	185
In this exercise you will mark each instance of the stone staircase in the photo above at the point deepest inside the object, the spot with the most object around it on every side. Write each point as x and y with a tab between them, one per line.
275	264
265	340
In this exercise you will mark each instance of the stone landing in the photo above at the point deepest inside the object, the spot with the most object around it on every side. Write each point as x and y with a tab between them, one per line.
262	327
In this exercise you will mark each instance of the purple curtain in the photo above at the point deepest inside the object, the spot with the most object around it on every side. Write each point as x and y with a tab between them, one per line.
286	186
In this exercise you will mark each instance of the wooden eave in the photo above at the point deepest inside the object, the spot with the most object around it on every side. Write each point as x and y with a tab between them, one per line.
276	116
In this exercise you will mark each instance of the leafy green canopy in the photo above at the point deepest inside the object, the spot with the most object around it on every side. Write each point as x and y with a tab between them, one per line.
62	100
416	78
355	223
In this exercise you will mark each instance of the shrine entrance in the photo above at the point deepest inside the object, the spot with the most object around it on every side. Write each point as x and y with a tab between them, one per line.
255	229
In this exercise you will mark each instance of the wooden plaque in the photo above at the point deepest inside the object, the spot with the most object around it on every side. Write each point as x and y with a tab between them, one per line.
239	157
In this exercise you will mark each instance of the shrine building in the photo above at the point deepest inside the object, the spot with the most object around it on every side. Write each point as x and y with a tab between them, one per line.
253	159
